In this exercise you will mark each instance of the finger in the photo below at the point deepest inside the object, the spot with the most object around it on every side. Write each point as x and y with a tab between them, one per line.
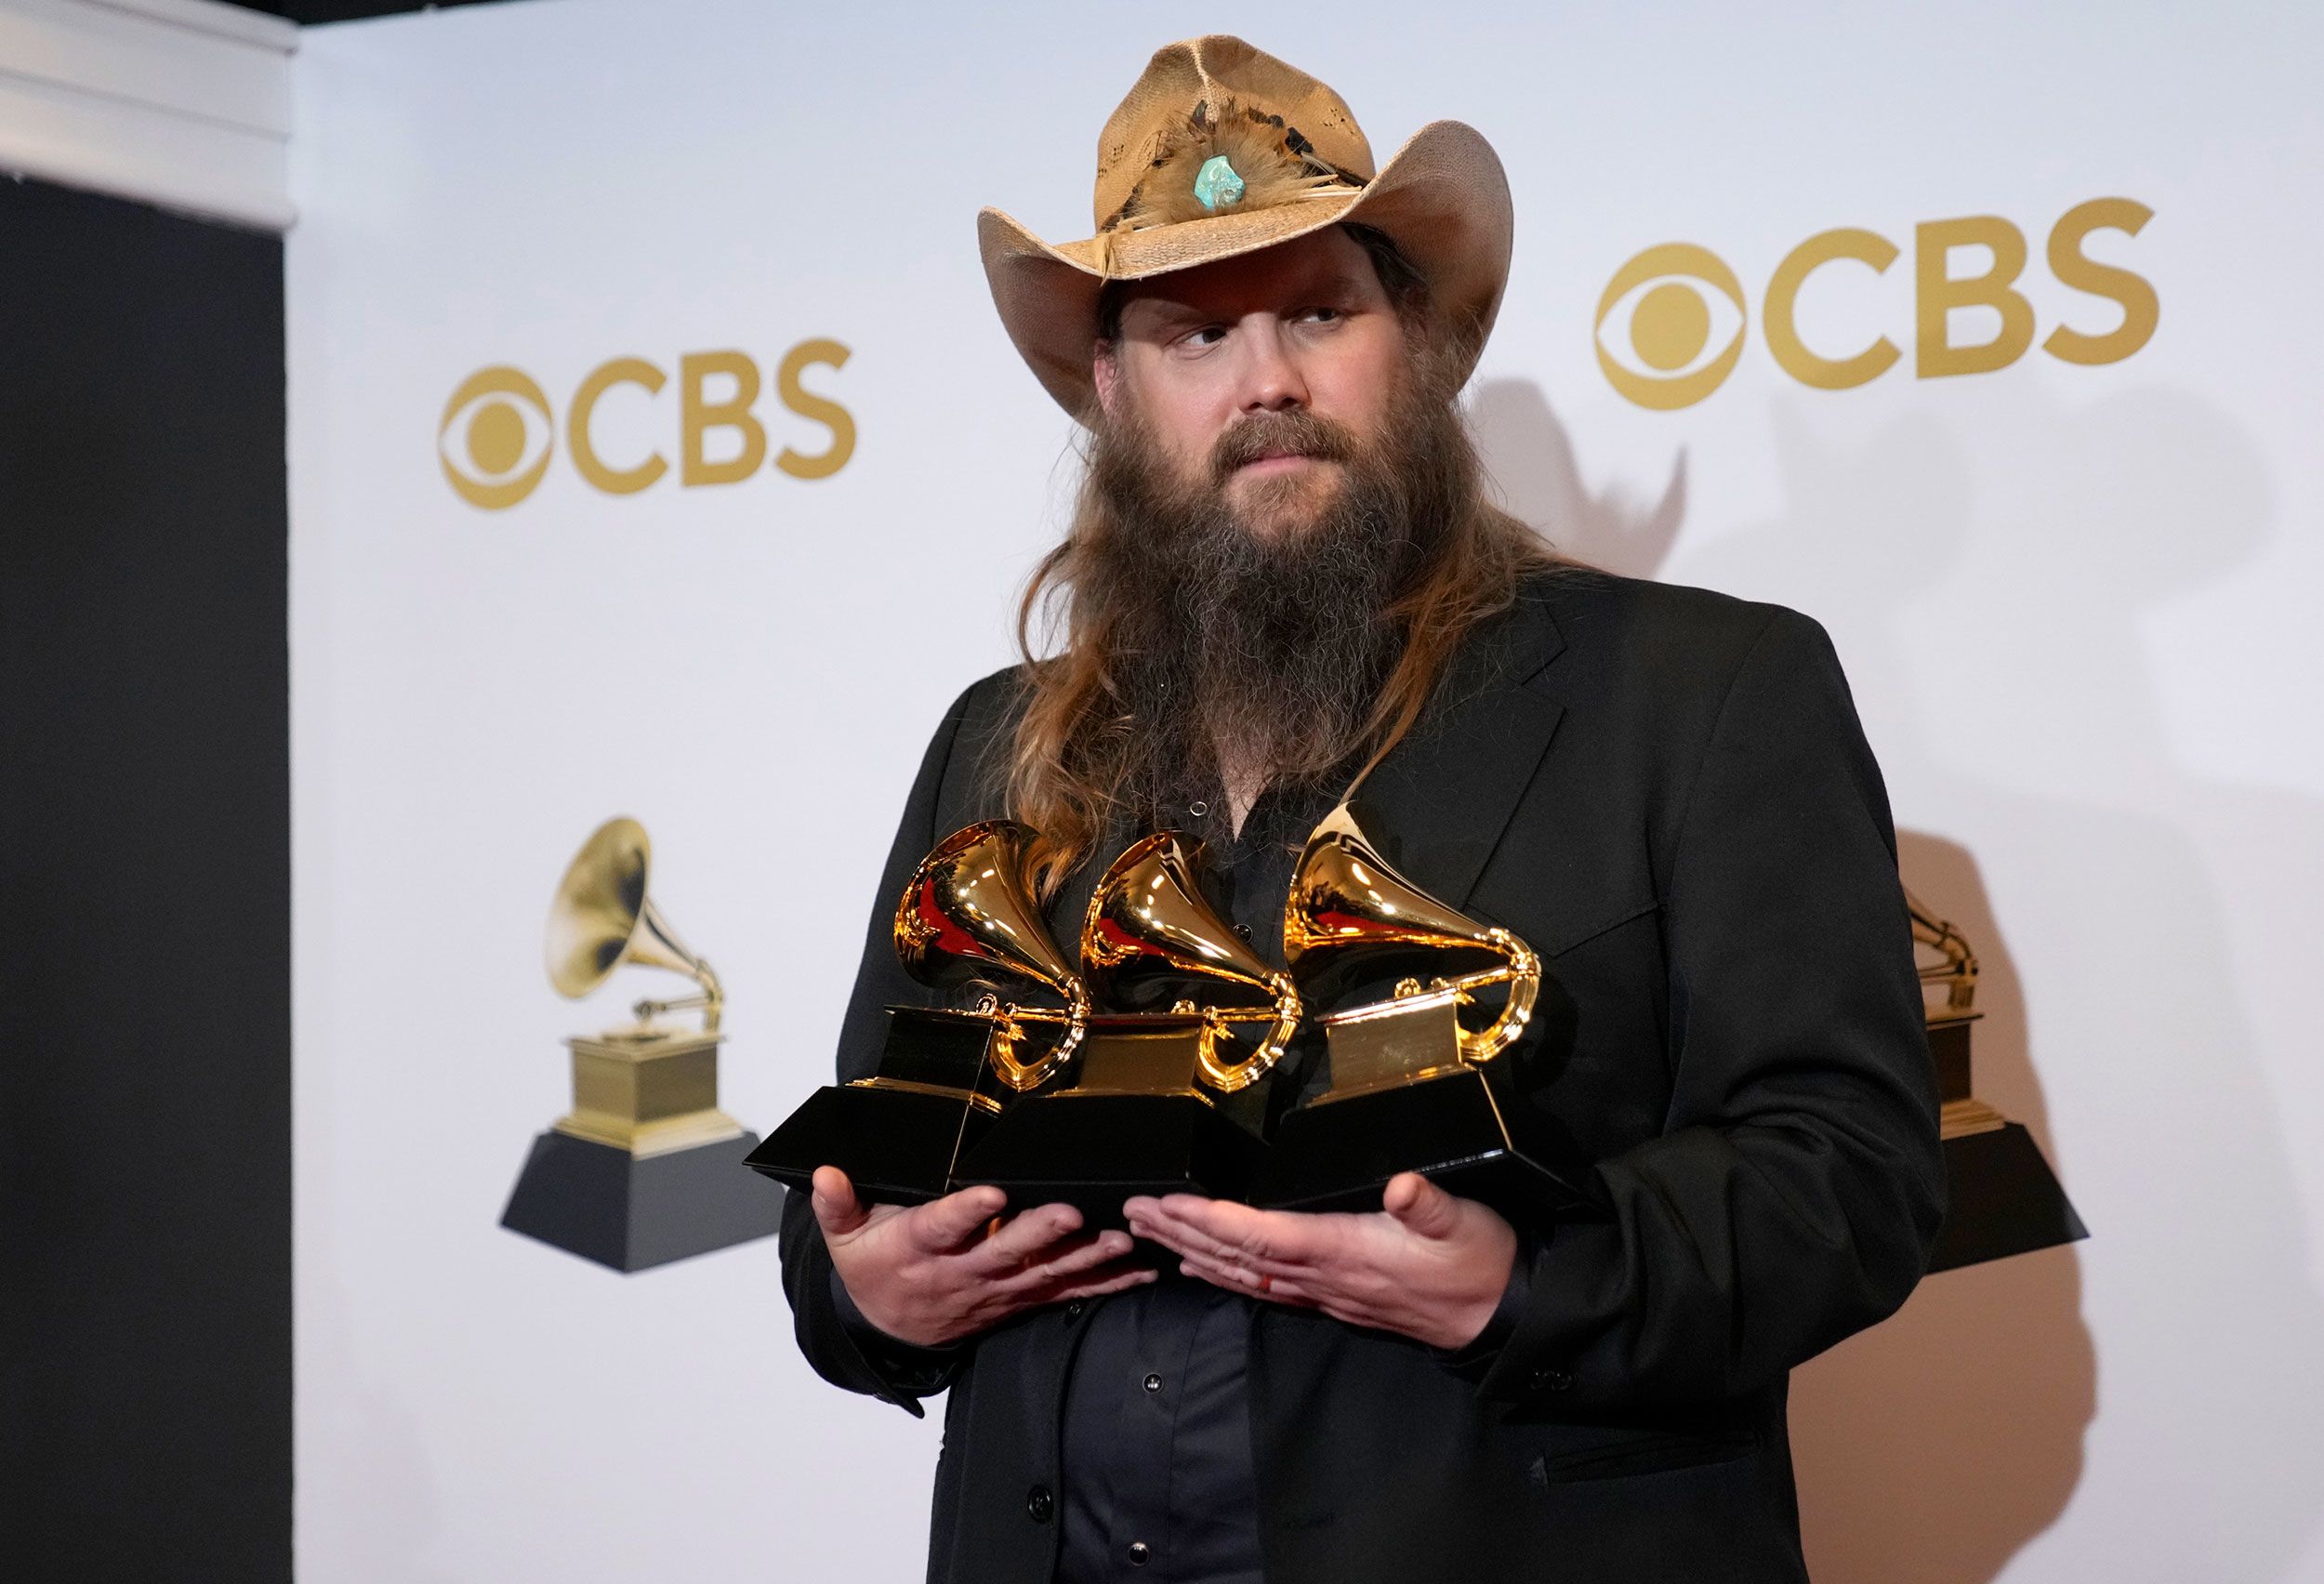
1245	1235
1192	1241
1235	1278
1026	1237
1421	1206
1073	1257
1291	1294
1177	1239
1253	1284
1284	1236
837	1210
942	1225
1099	1284
1181	1222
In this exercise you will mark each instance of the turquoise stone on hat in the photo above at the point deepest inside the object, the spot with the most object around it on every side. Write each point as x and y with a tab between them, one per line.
1215	183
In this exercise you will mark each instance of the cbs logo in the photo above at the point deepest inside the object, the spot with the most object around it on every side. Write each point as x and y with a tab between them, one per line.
498	433
1664	310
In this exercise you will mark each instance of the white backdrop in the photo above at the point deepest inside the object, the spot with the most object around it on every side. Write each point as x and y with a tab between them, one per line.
2077	604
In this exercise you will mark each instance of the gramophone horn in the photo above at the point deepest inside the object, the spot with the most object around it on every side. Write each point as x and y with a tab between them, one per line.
1149	936
1348	909
602	918
968	915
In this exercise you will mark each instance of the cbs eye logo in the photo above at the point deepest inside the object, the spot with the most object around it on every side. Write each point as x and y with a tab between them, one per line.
502	446
1671	322
498	434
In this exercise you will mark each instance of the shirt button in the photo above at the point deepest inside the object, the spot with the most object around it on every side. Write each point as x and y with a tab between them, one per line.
1152	1383
1074	1307
1039	1504
1551	1380
1139	1554
1244	931
1197	809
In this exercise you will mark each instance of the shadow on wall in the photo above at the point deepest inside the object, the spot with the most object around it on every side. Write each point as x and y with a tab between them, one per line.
1935	1446
1532	460
1985	567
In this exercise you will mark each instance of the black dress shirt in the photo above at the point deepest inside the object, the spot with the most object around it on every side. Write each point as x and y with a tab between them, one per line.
1157	1453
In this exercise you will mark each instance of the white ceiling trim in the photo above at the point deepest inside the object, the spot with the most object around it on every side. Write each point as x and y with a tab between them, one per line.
180	103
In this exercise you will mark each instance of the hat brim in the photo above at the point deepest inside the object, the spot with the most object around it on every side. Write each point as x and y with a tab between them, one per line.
1442	196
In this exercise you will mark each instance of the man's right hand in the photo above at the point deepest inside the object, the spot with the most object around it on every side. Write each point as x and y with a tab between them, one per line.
939	1272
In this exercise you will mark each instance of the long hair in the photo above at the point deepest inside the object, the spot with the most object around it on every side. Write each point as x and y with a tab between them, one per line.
1069	765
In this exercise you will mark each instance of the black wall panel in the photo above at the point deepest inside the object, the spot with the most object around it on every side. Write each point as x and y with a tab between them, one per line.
145	1409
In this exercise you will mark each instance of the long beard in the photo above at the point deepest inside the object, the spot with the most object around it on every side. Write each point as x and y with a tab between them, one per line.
1260	653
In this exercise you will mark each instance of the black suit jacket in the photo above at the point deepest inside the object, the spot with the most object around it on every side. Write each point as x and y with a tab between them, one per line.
1667	793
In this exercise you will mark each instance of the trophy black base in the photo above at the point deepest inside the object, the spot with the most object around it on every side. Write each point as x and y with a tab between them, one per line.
2005	1200
630	1213
1093	1151
897	1147
1452	1128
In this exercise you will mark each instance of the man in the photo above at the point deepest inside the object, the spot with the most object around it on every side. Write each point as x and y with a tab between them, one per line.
1283	577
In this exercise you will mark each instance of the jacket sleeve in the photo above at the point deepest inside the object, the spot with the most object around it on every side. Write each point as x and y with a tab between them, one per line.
839	1343
1794	1193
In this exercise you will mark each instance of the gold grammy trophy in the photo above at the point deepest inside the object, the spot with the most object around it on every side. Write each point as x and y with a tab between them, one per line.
1162	1098
2004	1199
639	1170
1415	1087
966	919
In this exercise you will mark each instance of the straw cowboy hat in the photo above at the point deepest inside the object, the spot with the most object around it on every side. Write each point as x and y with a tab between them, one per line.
1220	150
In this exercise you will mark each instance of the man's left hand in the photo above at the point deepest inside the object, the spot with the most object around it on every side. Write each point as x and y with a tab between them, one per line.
1426	1264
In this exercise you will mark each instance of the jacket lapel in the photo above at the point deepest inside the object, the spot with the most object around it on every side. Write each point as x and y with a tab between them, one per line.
1437	804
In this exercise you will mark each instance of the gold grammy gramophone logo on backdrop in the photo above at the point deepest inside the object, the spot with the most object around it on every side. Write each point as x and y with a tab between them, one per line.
498	434
647	1088
2005	1199
1671	322
643	1169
